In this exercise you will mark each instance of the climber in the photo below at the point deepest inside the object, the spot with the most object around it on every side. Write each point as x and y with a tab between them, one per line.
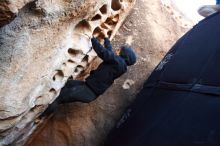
208	10
112	67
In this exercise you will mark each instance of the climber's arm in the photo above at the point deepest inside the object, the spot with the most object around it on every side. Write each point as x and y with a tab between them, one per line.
108	44
106	54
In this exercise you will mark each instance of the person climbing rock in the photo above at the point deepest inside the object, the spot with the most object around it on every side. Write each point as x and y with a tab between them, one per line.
99	80
208	10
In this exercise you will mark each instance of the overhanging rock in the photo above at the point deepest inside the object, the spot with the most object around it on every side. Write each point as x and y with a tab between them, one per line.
44	44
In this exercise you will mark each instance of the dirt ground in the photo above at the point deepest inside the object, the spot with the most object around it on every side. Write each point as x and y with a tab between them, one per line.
151	31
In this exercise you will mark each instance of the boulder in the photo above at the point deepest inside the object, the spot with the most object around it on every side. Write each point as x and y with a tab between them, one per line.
43	43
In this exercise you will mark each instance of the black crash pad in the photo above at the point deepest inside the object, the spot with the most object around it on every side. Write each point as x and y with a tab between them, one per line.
179	104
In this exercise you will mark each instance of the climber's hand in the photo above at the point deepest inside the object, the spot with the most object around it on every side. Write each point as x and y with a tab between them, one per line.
97	46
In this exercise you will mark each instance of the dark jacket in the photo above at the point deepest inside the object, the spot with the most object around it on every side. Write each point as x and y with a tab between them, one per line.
111	68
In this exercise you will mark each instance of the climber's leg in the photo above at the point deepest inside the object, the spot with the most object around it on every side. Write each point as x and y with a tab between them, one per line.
81	93
72	83
72	92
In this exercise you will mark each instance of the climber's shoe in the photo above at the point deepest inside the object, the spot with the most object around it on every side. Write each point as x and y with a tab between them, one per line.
37	120
50	109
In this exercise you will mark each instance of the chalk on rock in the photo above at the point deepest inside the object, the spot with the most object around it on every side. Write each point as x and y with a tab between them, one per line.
127	84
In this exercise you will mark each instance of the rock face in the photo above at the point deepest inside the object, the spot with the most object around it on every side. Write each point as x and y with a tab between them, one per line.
43	44
151	29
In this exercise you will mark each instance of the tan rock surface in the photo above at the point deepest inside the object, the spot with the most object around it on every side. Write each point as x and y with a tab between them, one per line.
151	29
47	43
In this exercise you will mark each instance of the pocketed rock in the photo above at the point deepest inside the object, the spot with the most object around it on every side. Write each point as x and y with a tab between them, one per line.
42	44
